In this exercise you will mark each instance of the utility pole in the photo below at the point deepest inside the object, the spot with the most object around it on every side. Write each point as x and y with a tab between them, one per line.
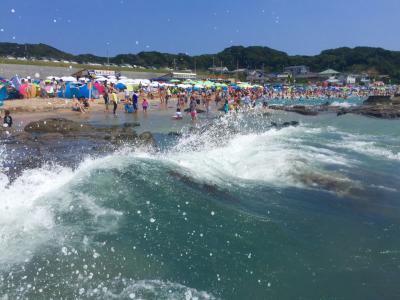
107	52
237	70
195	67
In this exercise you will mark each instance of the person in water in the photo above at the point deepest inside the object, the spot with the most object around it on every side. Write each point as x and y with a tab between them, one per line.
8	121
193	111
178	114
145	104
226	106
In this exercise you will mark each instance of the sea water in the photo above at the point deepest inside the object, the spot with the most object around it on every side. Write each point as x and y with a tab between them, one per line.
233	209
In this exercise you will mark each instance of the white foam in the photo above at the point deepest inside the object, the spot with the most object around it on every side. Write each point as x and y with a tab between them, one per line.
145	289
27	208
270	157
342	104
369	148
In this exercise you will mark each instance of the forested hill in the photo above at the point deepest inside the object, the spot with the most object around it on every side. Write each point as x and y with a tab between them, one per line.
359	59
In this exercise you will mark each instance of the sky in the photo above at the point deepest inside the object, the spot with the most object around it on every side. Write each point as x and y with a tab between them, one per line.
101	27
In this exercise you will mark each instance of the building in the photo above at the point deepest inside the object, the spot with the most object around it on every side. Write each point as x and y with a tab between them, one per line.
219	70
257	76
297	70
176	75
329	73
96	73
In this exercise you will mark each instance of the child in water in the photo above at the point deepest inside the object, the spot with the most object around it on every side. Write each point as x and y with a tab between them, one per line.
8	121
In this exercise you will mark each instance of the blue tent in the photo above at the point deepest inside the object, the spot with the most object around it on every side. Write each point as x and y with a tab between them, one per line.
71	90
3	93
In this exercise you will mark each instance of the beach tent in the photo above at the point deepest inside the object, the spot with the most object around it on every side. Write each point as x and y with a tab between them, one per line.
3	92
71	90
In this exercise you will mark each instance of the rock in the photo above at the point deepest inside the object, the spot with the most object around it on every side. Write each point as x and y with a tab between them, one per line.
146	138
54	125
374	100
377	111
302	110
284	124
131	125
396	99
175	134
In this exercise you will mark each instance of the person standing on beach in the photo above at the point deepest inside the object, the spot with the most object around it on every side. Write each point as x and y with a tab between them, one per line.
106	97
114	98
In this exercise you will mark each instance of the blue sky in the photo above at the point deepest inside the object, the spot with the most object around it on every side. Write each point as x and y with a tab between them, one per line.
198	27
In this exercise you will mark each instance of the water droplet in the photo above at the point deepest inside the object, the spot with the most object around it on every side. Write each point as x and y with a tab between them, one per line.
152	220
2	29
212	213
13	10
54	21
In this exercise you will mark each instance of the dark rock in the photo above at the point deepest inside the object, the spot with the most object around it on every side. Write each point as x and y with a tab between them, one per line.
54	125
285	124
131	125
376	111
175	134
373	100
146	138
302	110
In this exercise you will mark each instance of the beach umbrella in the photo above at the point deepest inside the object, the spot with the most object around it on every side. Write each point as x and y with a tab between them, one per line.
174	81
68	79
120	86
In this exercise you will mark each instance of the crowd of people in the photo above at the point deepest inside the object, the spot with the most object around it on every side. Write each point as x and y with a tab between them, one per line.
191	99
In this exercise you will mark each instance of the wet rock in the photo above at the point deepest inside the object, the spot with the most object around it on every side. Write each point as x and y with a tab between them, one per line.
285	124
375	111
55	125
147	138
374	100
175	134
302	110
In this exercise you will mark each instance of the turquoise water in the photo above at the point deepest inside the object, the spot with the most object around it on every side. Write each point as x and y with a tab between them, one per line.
235	209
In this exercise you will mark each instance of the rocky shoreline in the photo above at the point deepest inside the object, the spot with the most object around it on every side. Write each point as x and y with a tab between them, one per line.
381	111
64	142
